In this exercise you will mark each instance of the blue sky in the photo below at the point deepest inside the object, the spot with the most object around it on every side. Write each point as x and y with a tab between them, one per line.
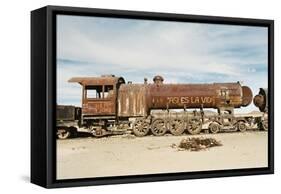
179	51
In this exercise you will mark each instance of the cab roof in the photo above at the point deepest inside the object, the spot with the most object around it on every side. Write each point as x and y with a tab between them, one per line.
103	80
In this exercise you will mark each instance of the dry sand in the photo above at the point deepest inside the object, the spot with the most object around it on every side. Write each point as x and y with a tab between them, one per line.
129	155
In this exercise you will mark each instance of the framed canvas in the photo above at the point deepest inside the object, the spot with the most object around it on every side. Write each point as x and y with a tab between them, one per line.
126	96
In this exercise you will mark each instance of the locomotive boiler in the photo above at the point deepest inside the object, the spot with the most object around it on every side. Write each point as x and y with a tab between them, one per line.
139	99
110	105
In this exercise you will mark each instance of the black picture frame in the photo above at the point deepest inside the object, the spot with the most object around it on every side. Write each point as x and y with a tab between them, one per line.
43	95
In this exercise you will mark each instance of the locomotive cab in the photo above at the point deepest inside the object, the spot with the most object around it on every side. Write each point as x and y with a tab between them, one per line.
99	96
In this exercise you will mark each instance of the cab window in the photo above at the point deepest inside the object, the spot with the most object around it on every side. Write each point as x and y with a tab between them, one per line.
99	92
108	91
93	92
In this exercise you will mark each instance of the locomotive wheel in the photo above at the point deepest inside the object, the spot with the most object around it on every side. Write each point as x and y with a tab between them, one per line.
263	125
158	127
177	127
194	127
214	127
140	127
241	126
63	133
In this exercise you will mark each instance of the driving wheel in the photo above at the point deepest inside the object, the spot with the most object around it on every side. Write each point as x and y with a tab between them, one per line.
158	127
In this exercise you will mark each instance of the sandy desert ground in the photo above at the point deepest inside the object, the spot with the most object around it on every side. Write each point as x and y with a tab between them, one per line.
129	155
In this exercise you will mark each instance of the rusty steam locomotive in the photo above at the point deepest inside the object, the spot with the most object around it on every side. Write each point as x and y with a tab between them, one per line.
110	106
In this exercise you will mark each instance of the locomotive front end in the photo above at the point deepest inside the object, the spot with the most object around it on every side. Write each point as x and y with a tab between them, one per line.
261	100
